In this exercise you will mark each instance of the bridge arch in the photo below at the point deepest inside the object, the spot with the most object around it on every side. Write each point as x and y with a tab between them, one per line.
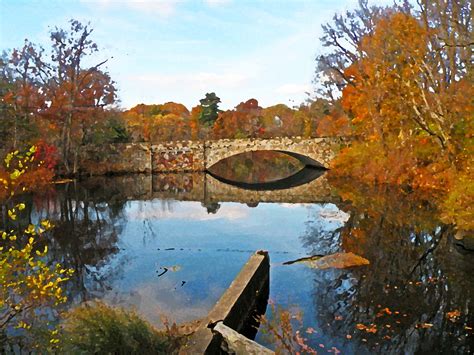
316	152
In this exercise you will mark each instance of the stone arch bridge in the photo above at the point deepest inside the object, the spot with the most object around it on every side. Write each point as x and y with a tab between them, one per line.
195	156
200	156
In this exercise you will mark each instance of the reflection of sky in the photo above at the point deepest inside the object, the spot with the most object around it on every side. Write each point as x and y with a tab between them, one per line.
209	250
155	210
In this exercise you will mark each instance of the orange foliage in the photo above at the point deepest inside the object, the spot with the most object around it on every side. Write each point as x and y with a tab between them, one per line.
194	121
379	98
155	123
335	124
243	122
414	127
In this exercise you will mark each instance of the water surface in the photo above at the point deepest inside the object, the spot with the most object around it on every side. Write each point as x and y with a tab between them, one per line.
171	245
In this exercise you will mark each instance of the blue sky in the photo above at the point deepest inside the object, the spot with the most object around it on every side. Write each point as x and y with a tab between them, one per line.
172	50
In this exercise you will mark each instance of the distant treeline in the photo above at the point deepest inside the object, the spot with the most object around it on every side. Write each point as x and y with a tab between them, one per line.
173	121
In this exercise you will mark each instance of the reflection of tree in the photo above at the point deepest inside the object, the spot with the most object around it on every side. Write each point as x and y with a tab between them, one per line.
211	207
88	220
257	167
415	278
319	240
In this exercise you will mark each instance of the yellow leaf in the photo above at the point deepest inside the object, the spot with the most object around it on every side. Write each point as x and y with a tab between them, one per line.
12	215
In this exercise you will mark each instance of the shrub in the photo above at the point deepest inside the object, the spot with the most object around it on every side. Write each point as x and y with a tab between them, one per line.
100	329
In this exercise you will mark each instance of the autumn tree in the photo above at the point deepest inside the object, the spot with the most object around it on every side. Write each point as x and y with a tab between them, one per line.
56	86
398	90
242	122
444	30
76	92
280	120
160	122
21	97
194	122
407	91
169	127
175	109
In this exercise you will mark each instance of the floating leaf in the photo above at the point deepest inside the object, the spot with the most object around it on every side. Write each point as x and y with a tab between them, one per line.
175	268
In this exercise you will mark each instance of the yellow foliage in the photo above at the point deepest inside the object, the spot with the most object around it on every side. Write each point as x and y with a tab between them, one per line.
28	283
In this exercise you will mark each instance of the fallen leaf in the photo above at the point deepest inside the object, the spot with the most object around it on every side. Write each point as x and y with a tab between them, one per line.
453	315
369	329
383	312
426	325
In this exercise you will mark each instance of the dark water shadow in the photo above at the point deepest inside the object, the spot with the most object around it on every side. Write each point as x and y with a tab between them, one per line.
304	176
307	161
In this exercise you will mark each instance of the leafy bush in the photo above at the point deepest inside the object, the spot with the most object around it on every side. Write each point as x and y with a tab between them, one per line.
100	329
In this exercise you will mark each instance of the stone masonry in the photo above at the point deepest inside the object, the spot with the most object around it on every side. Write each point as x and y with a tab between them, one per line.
195	156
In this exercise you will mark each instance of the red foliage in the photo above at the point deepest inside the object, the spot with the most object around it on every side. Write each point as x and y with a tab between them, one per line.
47	154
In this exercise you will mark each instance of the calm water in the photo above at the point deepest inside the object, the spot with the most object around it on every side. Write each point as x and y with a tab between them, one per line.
170	246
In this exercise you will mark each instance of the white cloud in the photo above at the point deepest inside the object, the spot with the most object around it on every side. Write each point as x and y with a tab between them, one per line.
162	8
294	205
166	299
215	3
331	215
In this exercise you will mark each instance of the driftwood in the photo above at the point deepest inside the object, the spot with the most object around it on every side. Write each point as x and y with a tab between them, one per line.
306	258
336	261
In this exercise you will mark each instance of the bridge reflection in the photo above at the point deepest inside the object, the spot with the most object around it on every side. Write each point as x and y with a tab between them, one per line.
207	189
302	177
